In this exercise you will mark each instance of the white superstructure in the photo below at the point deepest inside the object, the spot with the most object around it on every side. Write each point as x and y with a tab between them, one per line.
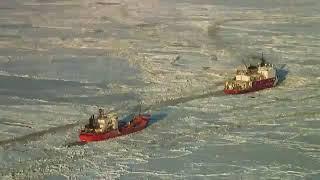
106	122
242	77
267	71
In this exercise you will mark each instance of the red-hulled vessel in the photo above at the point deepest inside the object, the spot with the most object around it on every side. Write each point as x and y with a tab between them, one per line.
253	78
106	126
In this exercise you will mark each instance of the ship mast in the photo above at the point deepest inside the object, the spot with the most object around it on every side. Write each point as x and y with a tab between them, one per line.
140	108
245	65
263	61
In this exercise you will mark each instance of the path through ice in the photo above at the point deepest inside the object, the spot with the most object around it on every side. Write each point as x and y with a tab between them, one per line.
59	60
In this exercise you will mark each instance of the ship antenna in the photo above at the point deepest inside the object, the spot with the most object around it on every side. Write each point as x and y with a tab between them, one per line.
263	62
244	64
140	109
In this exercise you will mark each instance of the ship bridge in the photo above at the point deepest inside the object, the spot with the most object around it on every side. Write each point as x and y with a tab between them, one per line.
242	77
267	71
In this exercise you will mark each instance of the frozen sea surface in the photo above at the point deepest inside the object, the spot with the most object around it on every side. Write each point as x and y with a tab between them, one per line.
59	60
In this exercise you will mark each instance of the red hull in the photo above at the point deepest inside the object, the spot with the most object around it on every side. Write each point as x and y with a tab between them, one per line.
138	123
256	86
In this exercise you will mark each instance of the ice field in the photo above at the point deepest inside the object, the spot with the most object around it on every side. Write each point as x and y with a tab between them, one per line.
61	59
